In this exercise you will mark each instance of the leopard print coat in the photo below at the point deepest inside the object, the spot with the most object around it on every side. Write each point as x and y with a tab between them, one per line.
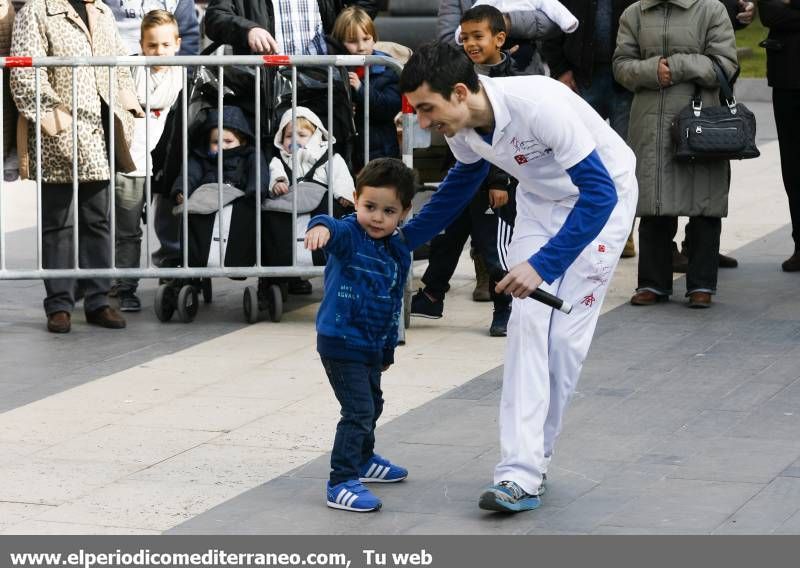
53	28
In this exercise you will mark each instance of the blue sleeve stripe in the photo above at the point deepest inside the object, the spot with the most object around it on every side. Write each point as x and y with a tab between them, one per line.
597	197
447	202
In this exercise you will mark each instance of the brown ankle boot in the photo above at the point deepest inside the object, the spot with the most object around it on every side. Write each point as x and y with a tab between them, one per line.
481	292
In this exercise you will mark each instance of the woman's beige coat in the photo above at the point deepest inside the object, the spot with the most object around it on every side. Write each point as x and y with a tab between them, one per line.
53	28
688	33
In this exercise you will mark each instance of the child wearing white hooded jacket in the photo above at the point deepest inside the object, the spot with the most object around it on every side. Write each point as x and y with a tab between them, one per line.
315	176
312	145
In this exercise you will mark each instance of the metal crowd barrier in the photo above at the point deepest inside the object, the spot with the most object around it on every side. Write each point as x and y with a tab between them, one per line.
208	61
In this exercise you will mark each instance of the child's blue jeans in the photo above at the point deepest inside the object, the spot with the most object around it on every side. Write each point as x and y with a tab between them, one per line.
357	387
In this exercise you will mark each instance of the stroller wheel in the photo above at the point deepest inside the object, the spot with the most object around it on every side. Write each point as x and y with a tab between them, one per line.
187	303
164	303
275	307
205	287
250	304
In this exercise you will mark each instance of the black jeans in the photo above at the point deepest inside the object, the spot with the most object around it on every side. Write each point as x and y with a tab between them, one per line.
446	248
94	244
655	254
786	106
357	387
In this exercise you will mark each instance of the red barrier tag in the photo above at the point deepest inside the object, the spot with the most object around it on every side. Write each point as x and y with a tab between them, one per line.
275	60
17	61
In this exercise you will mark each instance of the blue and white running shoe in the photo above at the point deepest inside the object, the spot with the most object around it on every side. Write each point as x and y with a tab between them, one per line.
379	470
508	497
352	496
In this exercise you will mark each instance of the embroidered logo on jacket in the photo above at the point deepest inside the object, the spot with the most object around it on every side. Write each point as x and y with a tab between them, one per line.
529	150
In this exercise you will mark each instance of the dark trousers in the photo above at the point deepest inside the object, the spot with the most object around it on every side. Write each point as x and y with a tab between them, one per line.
94	244
609	99
357	387
128	206
786	106
168	230
446	248
655	254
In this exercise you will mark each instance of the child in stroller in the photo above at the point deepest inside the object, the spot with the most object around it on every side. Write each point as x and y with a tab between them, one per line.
237	217
315	177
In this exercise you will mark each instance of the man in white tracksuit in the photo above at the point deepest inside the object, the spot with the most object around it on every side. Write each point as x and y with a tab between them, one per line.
576	201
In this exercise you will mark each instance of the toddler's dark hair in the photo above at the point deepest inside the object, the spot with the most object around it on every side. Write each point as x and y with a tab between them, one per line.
388	172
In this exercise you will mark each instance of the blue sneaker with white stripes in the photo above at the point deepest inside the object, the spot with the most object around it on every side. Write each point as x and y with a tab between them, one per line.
508	497
352	496
379	470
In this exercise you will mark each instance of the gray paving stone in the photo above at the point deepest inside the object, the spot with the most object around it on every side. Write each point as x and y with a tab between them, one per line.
767	511
793	470
783	370
684	504
773	420
589	444
591	509
646	412
736	459
672	530
684	422
748	395
476	523
475	426
479	387
791	526
710	423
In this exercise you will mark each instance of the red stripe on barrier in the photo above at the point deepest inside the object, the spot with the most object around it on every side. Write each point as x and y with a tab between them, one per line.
17	61
407	108
276	60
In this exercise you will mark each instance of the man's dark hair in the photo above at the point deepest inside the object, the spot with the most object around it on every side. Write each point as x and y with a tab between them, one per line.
488	14
388	172
441	65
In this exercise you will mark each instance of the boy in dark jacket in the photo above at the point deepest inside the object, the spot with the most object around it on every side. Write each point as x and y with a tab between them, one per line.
368	264
489	219
239	188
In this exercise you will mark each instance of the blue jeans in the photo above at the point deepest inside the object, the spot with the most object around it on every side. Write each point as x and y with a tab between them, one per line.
357	387
609	99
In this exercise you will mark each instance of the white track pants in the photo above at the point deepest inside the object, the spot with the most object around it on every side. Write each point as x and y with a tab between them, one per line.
545	348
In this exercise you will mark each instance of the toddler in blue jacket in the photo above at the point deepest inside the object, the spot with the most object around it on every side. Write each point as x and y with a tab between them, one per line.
367	266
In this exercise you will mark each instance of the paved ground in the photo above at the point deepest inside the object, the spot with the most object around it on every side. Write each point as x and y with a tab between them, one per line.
684	421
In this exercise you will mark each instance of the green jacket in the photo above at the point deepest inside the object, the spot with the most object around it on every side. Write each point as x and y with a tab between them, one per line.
687	33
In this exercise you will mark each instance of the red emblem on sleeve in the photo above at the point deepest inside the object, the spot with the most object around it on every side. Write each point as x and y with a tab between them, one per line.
601	248
521	159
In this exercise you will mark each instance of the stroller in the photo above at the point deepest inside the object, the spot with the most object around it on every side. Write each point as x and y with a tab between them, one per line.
215	237
181	295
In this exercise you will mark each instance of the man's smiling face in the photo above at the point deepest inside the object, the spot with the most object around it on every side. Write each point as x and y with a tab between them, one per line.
435	112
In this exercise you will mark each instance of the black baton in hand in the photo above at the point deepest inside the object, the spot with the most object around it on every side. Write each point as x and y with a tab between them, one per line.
550	300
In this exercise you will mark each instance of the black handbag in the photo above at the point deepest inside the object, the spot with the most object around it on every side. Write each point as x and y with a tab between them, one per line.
725	132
